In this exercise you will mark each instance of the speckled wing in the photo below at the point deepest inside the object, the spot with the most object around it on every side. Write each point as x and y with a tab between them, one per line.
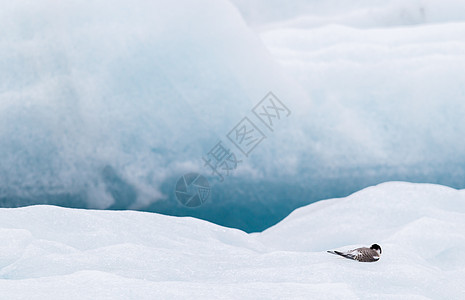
348	254
366	255
359	254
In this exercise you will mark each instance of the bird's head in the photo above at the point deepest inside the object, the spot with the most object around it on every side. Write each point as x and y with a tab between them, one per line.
376	247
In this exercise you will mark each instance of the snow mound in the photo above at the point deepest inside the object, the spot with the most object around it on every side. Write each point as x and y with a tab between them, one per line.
56	253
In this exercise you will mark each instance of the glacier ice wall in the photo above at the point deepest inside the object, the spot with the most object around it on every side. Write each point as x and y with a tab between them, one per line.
105	105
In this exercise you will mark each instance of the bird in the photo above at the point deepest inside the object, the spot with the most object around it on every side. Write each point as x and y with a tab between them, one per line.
362	254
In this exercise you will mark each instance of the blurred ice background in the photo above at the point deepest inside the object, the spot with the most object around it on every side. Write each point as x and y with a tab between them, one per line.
105	104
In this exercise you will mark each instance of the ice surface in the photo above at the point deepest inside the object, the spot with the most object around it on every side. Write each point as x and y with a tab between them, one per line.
360	13
106	105
49	252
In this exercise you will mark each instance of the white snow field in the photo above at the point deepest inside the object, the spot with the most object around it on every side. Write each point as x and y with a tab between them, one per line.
49	252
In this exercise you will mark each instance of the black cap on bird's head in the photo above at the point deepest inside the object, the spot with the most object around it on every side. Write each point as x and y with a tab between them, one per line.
376	247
